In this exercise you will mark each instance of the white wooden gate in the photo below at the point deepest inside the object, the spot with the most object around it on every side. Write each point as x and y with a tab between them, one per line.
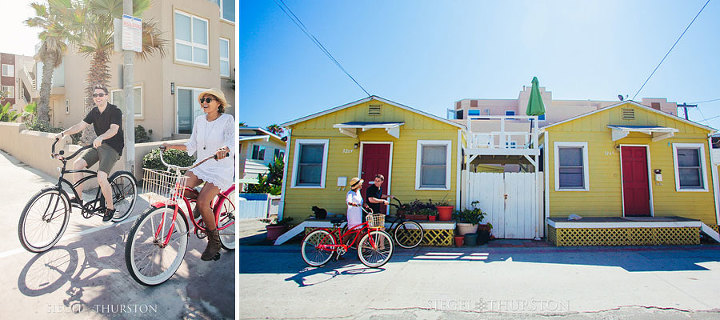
510	200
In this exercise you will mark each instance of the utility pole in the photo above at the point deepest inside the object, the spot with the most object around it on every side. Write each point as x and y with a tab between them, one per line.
685	106
128	93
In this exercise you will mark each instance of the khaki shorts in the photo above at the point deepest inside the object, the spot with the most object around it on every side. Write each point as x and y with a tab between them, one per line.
105	153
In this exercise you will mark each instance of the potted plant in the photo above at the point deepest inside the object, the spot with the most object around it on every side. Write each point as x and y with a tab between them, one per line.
276	228
444	210
418	210
484	233
468	219
432	215
459	240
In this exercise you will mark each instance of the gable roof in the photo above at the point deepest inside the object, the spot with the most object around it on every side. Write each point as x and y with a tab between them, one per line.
361	101
642	106
259	132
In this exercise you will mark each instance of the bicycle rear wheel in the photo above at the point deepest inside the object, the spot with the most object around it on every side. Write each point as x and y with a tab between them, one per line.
44	220
375	249
148	260
124	194
311	250
409	234
226	221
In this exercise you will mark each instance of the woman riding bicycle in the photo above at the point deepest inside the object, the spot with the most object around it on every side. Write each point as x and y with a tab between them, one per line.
213	133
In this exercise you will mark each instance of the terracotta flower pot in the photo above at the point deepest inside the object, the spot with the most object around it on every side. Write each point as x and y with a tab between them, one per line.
459	240
444	213
432	218
273	232
465	228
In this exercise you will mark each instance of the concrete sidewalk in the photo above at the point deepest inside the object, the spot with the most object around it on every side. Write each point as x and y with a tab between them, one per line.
485	282
84	276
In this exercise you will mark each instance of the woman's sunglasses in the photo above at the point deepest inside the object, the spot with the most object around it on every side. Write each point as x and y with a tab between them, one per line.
203	100
95	95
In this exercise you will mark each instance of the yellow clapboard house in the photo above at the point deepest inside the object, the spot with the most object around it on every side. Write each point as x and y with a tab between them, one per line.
636	176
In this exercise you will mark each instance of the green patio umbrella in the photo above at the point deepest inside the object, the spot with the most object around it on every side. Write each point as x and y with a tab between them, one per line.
535	105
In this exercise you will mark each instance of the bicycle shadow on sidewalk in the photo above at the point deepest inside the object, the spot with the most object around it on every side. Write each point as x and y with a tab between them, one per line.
311	276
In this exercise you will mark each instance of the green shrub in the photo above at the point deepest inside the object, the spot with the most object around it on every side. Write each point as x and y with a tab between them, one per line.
141	135
172	156
42	127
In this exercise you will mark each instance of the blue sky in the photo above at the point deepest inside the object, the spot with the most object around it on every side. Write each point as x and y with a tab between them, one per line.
429	54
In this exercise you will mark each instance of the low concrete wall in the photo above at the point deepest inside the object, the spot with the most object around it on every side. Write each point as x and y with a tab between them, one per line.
33	148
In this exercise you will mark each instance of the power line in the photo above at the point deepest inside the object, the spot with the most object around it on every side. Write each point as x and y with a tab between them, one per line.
302	27
671	48
711	100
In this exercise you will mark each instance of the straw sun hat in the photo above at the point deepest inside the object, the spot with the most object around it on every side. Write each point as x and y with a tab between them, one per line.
356	182
215	93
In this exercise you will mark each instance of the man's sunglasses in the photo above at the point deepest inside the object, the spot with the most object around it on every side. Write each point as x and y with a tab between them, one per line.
95	95
203	100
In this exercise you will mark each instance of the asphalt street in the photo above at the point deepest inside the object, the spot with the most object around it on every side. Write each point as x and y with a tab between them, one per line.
505	282
84	275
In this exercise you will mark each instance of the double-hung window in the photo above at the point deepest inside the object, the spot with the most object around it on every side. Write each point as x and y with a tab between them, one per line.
8	70
9	91
310	163
224	57
690	167
227	9
117	97
191	38
258	152
432	167
571	166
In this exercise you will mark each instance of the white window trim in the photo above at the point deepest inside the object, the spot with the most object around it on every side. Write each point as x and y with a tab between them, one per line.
222	17
191	43
418	162
177	98
296	158
11	69
703	166
10	92
586	169
225	59
260	148
134	107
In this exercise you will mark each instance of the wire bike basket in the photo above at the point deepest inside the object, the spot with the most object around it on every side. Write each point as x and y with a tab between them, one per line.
164	187
376	220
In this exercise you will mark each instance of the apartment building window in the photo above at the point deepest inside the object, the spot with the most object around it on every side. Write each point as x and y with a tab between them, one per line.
191	38
224	57
117	97
188	108
541	117
690	167
432	167
9	91
258	152
571	166
227	9
310	163
509	112
473	112
8	70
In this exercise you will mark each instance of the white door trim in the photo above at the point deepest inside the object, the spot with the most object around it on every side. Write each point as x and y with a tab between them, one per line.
649	168
388	179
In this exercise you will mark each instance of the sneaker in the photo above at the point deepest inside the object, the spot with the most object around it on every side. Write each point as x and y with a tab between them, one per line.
108	214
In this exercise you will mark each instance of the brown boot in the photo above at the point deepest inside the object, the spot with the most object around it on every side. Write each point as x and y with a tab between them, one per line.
212	251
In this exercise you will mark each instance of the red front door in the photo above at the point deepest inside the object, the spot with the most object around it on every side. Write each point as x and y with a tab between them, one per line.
375	159
636	193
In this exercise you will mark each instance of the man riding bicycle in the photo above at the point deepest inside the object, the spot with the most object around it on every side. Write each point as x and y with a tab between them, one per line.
107	147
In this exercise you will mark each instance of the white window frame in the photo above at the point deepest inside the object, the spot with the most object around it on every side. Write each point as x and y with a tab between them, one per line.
261	148
220	4
10	68
177	102
224	59
296	158
586	168
10	91
703	166
192	44
112	100
418	162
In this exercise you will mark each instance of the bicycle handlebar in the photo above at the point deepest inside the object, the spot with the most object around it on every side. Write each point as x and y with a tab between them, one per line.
62	152
163	148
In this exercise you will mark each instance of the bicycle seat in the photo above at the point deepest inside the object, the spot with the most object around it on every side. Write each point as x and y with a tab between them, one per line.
337	220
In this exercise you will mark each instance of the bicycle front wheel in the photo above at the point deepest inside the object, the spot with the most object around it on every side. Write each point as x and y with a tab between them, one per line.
375	249
409	234
226	221
150	257
44	220
313	251
124	194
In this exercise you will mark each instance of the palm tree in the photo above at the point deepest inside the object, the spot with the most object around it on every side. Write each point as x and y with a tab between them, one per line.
96	42
54	36
275	129
242	124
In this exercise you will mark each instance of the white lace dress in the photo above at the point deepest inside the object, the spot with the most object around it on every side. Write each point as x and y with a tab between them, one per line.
206	139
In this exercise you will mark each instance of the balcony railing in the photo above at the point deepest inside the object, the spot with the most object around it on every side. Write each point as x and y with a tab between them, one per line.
503	139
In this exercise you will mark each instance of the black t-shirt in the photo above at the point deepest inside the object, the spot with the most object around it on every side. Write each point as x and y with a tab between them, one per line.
101	123
375	192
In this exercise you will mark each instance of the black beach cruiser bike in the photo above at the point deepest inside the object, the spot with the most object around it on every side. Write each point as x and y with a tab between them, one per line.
47	214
